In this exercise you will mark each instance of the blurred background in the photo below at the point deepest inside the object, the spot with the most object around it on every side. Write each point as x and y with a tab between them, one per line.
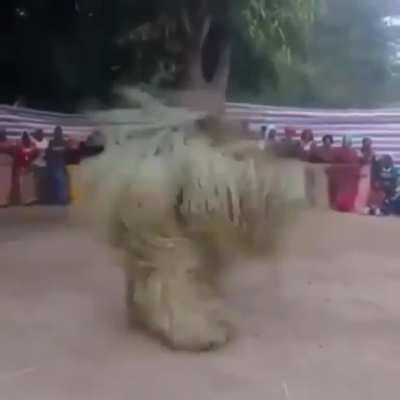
58	55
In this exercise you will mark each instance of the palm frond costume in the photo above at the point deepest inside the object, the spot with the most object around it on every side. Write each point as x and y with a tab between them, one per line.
177	202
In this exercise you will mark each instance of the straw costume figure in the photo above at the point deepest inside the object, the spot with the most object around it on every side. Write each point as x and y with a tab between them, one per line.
179	200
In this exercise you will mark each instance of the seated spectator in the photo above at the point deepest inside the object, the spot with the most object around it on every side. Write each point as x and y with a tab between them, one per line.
384	184
385	178
6	162
391	203
324	153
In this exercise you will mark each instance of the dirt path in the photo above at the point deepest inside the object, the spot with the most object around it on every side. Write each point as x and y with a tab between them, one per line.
321	323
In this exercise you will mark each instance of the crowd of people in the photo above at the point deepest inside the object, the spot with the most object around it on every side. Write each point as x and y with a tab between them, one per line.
346	168
38	170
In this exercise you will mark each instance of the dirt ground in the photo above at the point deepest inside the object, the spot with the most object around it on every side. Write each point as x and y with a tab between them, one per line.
320	323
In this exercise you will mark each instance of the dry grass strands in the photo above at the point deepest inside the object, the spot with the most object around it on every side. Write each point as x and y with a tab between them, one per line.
178	201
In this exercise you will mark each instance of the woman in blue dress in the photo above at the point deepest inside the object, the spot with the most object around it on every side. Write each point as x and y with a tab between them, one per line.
57	171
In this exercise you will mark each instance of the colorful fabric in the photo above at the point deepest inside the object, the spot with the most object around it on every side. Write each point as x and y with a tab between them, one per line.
56	155
73	174
58	186
343	180
322	154
23	190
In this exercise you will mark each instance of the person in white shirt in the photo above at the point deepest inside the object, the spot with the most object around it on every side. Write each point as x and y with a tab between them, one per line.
40	165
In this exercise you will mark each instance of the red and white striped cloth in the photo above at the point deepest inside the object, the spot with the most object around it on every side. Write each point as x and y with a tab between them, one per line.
381	125
16	120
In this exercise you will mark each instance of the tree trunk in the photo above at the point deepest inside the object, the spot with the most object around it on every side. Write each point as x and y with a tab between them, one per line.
193	78
207	66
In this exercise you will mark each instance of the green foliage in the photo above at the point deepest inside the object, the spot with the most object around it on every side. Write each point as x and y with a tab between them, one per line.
259	29
273	34
305	52
84	51
352	50
346	61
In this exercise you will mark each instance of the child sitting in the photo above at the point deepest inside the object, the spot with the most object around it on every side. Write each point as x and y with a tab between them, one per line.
391	203
384	187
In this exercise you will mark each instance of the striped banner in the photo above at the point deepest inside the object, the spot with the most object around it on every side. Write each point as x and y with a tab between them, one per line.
381	125
16	120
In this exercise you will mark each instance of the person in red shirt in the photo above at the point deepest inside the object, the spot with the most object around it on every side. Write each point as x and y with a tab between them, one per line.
24	153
